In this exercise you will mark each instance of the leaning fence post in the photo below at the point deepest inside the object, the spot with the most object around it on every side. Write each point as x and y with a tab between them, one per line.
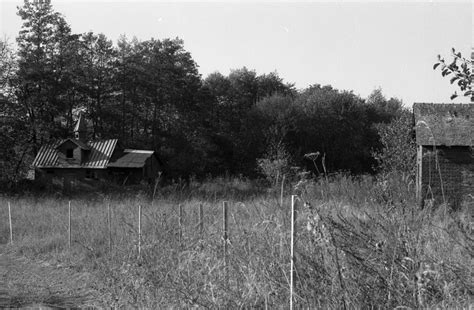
69	225
10	222
225	235
292	248
139	229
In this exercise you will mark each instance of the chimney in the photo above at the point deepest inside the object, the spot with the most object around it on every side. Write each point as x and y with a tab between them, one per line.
80	130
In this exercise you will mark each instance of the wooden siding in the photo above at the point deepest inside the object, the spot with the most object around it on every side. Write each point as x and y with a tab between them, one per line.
447	175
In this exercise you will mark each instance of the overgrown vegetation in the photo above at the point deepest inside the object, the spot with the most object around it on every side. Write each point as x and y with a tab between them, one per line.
399	148
361	243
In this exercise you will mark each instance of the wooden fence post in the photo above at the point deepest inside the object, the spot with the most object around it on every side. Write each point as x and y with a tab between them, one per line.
109	222
69	225
10	222
201	219
292	249
282	189
180	222
139	229
282	247
225	235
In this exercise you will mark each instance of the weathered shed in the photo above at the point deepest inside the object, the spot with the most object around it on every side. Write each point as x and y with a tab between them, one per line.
75	159
135	165
445	158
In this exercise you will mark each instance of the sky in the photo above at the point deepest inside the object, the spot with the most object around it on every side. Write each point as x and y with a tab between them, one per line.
349	45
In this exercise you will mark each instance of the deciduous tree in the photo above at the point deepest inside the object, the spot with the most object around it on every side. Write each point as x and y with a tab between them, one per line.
44	75
460	72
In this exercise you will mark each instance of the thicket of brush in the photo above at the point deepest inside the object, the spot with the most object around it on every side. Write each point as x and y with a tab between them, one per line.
361	242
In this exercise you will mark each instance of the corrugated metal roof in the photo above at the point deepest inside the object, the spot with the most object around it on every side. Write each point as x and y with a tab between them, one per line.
132	159
47	155
100	153
138	151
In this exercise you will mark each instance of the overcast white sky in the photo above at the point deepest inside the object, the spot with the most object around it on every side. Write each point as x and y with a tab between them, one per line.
350	45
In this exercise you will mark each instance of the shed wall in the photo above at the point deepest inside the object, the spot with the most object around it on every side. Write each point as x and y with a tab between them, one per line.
125	175
448	172
151	169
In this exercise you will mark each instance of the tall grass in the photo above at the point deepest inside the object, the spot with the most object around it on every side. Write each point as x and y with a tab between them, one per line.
361	242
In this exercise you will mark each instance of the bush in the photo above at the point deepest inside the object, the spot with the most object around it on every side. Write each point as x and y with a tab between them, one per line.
276	163
399	147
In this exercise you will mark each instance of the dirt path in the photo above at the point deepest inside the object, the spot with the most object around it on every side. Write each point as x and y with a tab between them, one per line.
24	282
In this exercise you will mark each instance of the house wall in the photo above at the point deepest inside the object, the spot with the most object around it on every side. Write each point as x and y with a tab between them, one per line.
448	171
71	174
112	174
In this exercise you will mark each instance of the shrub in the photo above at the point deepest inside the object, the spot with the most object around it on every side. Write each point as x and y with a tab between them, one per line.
399	147
276	163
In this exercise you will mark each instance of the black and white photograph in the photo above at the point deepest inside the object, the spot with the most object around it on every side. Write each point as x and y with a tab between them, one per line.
236	154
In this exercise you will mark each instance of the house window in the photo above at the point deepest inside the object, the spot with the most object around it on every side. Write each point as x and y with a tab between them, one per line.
69	153
50	171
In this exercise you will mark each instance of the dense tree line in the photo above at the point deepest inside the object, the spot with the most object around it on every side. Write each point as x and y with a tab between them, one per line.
150	95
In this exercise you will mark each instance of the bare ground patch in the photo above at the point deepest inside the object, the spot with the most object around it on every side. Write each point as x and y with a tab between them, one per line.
25	282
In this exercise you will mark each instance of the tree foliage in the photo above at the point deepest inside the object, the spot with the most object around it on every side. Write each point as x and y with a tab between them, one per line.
13	152
399	147
459	71
150	95
46	48
7	67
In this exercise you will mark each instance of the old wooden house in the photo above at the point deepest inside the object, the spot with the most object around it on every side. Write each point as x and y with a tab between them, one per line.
80	159
445	157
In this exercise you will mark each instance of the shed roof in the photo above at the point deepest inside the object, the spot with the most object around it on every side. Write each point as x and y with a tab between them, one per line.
132	159
100	153
444	124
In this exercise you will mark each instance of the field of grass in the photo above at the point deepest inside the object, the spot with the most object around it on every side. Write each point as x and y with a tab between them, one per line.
361	243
